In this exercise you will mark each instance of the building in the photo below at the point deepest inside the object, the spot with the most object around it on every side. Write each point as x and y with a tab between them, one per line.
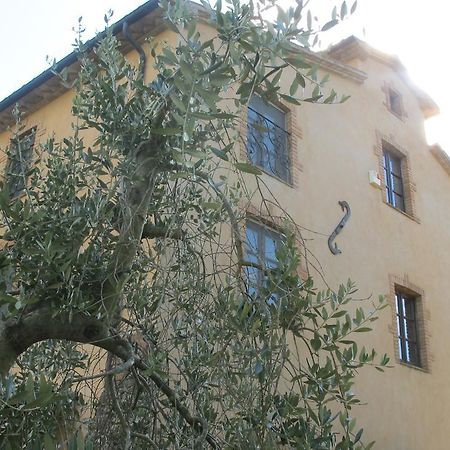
370	152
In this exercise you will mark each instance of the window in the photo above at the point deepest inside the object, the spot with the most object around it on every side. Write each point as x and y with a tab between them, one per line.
398	189
395	104
20	154
407	332
392	165
262	244
267	142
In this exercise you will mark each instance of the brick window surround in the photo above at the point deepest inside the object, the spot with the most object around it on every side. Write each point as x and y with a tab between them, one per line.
388	144
402	285
294	137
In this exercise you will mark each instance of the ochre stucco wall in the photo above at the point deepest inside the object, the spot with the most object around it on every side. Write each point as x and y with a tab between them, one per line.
407	408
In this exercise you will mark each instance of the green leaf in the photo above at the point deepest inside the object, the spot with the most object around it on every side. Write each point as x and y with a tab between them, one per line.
362	330
316	343
300	80
220	153
187	70
290	99
166	131
316	91
178	103
212	205
49	443
329	25
201	115
219	80
298	62
197	153
334	13
191	28
313	99
352	425
248	168
294	87
6	298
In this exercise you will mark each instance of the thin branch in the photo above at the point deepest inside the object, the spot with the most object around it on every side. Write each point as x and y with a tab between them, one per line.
110	384
145	438
115	371
196	422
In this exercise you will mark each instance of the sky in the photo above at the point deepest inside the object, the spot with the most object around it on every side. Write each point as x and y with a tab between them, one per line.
414	30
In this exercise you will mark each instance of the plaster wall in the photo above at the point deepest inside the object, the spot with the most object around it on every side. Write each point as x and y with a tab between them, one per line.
407	407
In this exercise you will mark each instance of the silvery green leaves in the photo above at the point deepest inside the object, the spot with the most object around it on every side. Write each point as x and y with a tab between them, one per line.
217	365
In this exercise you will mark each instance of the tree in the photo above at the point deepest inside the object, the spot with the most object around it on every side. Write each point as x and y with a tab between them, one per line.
132	244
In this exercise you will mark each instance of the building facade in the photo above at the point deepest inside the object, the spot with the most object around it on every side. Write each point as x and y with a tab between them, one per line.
371	153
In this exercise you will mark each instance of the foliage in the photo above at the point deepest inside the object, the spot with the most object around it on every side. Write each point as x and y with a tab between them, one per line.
131	242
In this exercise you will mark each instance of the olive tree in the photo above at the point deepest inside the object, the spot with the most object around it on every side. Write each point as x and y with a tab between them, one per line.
128	316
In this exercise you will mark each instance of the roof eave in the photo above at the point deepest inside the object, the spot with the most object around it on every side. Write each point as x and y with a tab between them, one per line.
442	158
352	47
49	77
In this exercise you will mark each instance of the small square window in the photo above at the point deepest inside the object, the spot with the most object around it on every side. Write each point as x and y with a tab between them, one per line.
392	165
267	138
261	248
20	155
395	104
407	329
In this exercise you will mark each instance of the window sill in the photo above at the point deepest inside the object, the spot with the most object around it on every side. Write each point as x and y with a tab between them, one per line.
401	117
412	366
271	175
409	216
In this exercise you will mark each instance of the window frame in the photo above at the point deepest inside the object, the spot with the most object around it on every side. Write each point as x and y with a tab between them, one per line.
390	177
280	170
401	284
260	252
395	107
385	142
405	323
394	100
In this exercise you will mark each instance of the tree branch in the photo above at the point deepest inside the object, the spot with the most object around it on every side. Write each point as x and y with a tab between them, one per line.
19	333
197	423
114	371
110	385
151	231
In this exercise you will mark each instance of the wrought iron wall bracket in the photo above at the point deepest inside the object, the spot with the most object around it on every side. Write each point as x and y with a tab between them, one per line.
331	244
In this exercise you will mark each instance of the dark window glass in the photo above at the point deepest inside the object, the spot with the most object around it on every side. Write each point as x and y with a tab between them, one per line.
395	103
20	155
261	248
408	344
267	143
394	180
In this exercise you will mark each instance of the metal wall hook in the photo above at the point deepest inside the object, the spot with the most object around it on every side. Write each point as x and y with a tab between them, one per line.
332	245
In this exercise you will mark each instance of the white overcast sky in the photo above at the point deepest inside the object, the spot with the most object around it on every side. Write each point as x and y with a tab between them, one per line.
417	31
